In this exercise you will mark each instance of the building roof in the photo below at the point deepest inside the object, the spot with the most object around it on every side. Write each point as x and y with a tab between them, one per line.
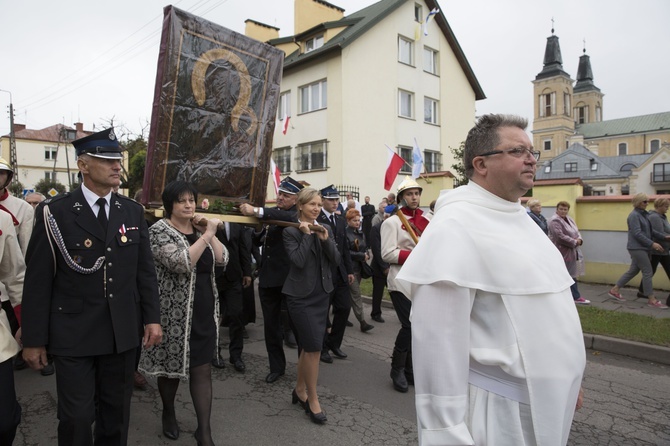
589	165
625	126
48	134
584	75
553	62
360	22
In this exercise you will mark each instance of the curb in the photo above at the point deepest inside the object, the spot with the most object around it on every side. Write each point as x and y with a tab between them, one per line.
623	347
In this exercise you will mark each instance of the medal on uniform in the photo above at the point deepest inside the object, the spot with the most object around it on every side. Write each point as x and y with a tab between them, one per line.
88	243
122	230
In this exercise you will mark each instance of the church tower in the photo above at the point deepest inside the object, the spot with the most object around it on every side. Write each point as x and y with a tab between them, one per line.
587	98
553	124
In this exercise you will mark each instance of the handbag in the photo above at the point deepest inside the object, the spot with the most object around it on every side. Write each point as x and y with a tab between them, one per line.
366	270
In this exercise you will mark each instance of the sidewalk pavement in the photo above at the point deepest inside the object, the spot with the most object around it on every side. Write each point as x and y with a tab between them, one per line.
597	294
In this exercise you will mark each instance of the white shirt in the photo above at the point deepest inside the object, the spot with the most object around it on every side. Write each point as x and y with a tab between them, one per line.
92	198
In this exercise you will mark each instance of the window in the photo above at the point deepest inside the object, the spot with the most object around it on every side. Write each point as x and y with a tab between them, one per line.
547	144
313	97
547	168
282	158
654	145
594	165
429	60
405	104
284	108
430	110
581	114
74	178
571	167
661	173
418	13
627	167
405	51
50	153
566	104
312	156
432	161
598	193
623	148
313	43
406	154
69	134
547	104
50	175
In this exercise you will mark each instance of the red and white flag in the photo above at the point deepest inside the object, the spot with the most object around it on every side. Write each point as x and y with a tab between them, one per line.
285	127
276	175
395	163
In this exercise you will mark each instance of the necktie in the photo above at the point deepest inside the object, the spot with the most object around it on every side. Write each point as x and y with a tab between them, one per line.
102	215
332	220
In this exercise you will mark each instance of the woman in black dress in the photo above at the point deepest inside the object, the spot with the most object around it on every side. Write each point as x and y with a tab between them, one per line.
307	289
185	254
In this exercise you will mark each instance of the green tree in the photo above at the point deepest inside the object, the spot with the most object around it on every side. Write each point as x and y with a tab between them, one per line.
43	186
458	167
136	165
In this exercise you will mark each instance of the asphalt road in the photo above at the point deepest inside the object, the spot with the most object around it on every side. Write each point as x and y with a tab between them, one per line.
627	401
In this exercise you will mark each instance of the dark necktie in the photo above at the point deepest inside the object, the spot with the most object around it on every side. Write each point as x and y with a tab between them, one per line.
332	220
102	215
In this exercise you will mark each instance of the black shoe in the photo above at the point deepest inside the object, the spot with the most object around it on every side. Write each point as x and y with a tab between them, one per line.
325	356
337	352
365	327
273	376
47	370
349	324
317	418
219	363
170	426
238	364
378	318
295	399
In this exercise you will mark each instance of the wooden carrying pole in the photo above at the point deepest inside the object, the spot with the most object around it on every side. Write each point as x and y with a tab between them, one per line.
286	224
404	221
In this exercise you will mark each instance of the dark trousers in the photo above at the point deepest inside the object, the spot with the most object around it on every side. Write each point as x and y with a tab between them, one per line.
655	260
340	302
249	304
575	291
10	411
403	307
94	388
230	299
272	301
378	285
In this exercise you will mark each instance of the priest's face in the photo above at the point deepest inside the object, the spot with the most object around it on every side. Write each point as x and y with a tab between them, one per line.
508	176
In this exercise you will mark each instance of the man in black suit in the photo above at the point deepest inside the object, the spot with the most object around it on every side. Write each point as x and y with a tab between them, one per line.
273	271
380	269
367	211
230	282
90	283
343	275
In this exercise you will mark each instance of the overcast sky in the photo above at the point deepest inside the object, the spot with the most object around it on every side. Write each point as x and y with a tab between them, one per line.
90	61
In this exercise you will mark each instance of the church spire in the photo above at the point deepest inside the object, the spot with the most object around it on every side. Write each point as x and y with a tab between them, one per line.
553	62
585	74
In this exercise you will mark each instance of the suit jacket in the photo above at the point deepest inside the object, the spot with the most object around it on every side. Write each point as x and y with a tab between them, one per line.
345	267
302	251
239	252
76	314
378	264
275	263
368	211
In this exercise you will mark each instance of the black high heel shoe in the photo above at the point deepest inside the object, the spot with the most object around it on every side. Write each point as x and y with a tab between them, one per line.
170	426
295	399
317	418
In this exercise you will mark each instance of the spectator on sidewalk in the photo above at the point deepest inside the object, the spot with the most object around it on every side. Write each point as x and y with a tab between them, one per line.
535	212
358	250
659	221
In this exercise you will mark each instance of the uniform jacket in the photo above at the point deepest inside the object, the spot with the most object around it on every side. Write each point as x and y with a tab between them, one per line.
344	267
378	264
302	251
23	214
274	265
76	314
239	255
12	270
176	282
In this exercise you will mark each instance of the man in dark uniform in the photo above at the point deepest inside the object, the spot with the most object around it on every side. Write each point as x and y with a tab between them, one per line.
343	274
367	211
273	271
230	282
90	282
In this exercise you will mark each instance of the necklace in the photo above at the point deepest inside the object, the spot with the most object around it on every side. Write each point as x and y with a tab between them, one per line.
181	228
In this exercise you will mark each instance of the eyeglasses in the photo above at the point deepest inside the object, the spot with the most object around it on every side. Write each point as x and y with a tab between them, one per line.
517	152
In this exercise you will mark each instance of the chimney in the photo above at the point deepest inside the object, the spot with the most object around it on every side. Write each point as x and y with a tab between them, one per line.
260	31
79	126
19	127
309	13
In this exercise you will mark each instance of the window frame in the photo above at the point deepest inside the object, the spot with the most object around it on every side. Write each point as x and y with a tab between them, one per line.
317	42
434	110
658	147
282	159
50	175
411	103
431	55
664	175
418	13
52	152
410	45
570	166
322	96
284	107
300	156
624	146
432	161
405	152
545	143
